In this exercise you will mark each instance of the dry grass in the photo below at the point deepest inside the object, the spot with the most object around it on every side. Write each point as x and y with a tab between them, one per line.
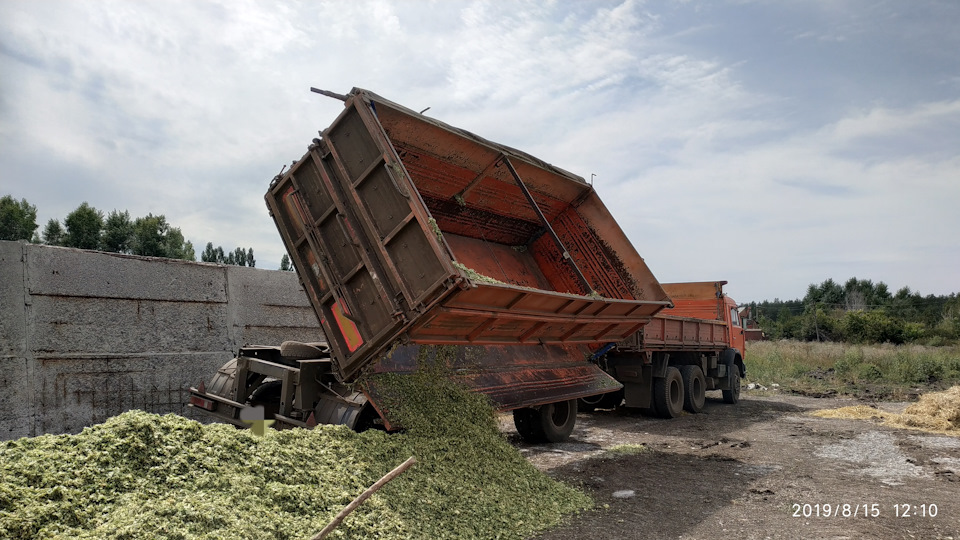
936	412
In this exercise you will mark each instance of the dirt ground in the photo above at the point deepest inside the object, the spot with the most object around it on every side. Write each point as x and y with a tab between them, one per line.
764	468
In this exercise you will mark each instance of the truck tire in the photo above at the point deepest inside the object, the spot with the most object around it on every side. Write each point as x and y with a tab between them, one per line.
589	403
732	395
694	388
668	393
295	350
267	395
610	400
527	425
553	422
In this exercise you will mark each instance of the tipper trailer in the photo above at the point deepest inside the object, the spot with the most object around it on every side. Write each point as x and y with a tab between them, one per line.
411	237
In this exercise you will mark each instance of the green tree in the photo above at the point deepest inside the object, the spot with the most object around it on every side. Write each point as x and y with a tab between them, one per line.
18	220
84	226
154	237
209	254
872	327
240	257
285	263
148	236
177	247
117	232
237	257
829	292
53	233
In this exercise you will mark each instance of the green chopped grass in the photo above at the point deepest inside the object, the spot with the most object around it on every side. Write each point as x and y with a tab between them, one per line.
435	228
474	275
142	475
628	449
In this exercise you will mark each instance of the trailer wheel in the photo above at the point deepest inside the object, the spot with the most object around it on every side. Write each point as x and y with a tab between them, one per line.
695	388
732	395
550	423
668	393
267	395
612	400
527	425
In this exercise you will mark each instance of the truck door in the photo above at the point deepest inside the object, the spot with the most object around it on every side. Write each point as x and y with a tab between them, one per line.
737	339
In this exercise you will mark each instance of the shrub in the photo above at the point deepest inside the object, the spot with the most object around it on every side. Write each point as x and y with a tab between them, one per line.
869	372
852	358
920	368
872	327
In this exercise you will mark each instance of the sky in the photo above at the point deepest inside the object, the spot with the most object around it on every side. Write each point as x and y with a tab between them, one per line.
772	144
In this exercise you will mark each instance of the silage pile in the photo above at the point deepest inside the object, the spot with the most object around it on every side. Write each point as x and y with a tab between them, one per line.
141	475
938	412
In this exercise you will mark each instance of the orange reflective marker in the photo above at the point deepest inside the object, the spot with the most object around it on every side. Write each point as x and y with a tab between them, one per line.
349	330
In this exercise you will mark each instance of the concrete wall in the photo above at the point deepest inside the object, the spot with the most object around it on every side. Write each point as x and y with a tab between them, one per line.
86	335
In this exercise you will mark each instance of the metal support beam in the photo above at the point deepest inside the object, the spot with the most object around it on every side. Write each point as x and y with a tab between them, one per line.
546	225
486	170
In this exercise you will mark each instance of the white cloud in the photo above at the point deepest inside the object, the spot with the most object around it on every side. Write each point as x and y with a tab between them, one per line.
805	208
888	123
189	108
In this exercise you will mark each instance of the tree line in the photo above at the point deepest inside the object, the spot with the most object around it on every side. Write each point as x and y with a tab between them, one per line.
116	232
861	311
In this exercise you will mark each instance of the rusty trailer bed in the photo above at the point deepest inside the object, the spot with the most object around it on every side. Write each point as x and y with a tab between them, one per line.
403	227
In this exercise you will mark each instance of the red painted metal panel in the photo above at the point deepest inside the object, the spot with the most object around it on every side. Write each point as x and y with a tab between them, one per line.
402	226
677	333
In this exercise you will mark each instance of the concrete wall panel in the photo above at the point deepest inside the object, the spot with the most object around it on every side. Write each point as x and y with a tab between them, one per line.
87	335
12	315
76	272
270	307
16	420
65	324
81	391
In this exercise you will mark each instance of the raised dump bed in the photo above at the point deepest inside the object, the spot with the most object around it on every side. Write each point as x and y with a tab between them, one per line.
403	227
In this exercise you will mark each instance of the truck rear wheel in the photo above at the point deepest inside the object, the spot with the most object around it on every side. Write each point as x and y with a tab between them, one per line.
589	403
609	400
732	395
549	423
695	388
668	394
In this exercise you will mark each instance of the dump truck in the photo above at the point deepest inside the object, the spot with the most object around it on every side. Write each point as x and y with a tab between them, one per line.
684	351
417	241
